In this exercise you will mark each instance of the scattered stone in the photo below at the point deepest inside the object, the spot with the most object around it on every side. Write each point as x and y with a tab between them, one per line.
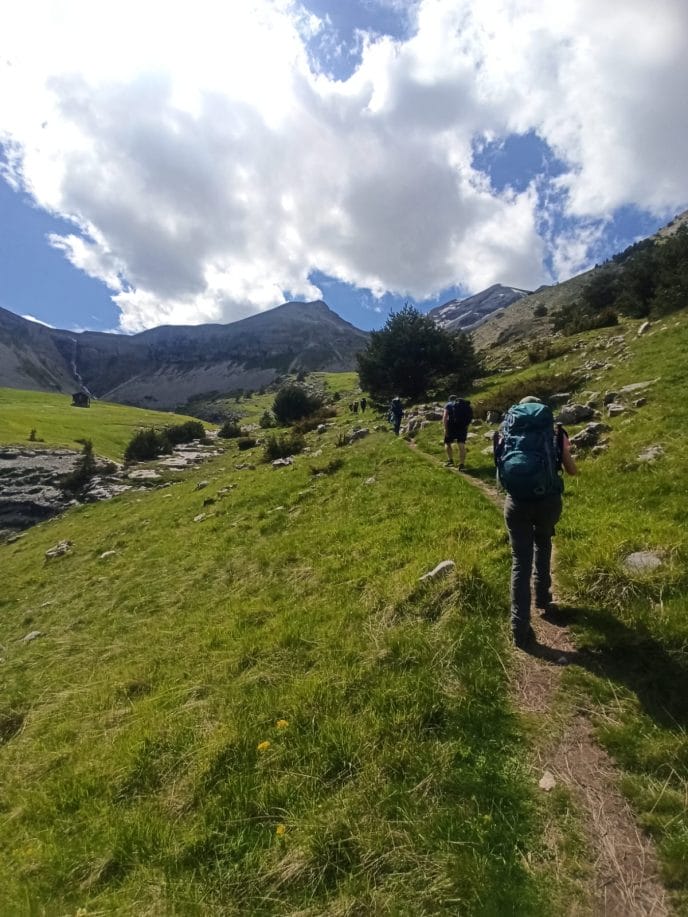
614	409
16	537
609	397
494	417
209	501
34	635
644	327
107	554
639	402
599	448
560	398
651	454
283	462
547	781
643	561
357	434
143	474
59	549
615	340
202	484
589	436
442	569
177	463
99	491
636	387
316	453
321	428
574	413
200	517
245	467
371	480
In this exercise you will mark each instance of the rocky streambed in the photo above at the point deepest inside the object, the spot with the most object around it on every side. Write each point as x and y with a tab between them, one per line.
31	481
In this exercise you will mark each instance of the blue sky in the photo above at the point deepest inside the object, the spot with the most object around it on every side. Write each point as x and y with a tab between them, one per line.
368	153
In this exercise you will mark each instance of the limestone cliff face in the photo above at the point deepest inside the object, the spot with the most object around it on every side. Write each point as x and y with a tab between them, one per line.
166	366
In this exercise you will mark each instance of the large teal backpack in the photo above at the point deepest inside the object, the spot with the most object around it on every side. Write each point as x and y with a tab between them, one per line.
528	453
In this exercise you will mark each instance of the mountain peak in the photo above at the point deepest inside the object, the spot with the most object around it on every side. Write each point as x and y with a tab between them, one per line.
469	313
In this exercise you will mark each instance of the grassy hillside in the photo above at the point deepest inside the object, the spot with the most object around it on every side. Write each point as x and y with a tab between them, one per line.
57	423
631	627
263	711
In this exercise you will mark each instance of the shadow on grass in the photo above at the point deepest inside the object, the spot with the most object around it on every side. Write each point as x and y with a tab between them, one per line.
627	656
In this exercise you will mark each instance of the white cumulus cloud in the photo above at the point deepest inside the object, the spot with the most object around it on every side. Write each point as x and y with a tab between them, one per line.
209	166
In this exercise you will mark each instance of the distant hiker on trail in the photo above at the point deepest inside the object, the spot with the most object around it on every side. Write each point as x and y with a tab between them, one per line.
396	412
363	405
458	413
529	454
355	407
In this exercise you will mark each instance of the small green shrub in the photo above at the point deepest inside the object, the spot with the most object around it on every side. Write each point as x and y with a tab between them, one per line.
542	386
307	424
185	432
267	420
292	402
246	442
541	351
32	435
282	446
146	445
540	310
84	469
230	429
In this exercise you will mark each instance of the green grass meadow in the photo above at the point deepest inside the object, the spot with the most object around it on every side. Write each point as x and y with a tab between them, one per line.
58	424
267	712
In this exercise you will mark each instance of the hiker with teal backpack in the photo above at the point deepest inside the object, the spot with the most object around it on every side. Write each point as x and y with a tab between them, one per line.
530	453
395	413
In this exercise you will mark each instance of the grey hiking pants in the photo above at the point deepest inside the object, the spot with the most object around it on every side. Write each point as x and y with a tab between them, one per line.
531	527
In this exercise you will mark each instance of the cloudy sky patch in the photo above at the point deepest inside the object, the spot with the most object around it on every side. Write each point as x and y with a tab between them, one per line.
213	160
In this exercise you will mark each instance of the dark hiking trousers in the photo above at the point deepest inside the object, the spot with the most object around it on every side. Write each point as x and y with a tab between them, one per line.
531	527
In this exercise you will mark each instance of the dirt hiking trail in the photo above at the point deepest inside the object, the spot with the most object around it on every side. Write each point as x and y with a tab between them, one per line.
625	877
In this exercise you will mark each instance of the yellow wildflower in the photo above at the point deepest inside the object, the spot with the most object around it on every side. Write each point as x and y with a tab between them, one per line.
263	746
281	830
282	724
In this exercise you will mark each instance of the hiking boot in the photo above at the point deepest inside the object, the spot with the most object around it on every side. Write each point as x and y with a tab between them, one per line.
525	641
462	467
448	463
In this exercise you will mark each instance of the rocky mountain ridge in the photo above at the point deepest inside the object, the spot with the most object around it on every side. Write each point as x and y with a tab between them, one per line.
529	316
166	366
468	314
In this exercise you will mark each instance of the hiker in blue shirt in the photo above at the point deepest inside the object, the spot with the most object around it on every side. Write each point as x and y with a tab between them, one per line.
529	455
